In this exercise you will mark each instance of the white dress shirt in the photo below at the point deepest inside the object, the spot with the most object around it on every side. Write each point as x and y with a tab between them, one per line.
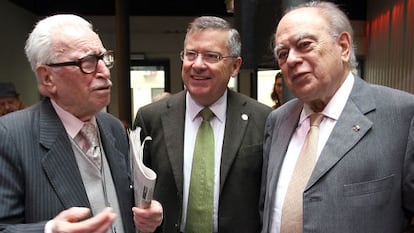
331	114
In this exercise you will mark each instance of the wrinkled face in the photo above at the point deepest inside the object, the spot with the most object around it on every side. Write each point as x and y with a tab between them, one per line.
206	81
313	62
9	104
81	94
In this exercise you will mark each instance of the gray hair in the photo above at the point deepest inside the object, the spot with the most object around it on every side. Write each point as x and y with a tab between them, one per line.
338	23
40	47
212	22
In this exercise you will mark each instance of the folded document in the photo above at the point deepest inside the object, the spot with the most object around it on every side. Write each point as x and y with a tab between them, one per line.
143	177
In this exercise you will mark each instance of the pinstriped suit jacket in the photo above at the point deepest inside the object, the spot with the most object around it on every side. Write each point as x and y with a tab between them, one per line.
39	176
363	179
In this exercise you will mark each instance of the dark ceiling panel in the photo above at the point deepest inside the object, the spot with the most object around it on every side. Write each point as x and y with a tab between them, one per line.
137	8
356	9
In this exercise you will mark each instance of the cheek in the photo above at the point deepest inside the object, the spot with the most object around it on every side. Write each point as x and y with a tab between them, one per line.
328	59
223	71
185	69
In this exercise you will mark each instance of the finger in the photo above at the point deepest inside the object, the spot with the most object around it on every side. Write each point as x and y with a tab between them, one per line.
97	224
147	220
101	222
73	214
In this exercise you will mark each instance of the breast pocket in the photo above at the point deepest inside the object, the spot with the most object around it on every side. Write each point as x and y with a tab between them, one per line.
250	158
370	193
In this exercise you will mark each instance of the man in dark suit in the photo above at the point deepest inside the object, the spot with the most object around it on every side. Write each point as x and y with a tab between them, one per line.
210	58
362	177
47	181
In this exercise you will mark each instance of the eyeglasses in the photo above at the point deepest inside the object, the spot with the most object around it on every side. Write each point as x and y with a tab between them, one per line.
208	57
89	63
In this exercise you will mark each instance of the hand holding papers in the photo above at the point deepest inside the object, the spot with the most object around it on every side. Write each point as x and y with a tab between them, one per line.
143	178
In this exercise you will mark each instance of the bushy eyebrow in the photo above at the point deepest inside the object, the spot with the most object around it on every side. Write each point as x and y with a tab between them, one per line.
295	39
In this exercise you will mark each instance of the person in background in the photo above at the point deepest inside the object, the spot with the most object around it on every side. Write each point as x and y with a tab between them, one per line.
277	93
55	174
361	178
211	56
10	100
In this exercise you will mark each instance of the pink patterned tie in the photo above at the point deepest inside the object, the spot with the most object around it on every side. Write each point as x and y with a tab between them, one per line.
92	149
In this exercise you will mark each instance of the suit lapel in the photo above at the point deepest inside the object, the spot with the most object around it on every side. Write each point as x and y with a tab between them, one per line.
351	126
172	123
116	159
59	162
237	118
281	138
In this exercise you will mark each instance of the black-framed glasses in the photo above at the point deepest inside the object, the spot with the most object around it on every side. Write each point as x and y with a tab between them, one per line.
89	63
207	57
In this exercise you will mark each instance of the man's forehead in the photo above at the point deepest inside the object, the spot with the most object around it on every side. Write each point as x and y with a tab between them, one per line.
301	17
295	26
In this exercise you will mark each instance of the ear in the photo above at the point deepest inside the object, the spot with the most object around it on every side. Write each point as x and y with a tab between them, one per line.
345	43
46	79
236	66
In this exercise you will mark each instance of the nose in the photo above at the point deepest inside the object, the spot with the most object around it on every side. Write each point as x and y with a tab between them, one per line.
199	61
293	57
103	69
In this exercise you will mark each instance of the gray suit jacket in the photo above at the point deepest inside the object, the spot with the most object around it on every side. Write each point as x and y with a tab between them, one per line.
359	184
39	176
241	161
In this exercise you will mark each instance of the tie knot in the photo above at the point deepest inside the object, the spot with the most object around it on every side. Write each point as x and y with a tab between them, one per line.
89	131
315	119
206	114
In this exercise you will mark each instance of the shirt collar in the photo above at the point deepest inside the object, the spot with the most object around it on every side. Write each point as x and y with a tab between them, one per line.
218	107
71	123
335	106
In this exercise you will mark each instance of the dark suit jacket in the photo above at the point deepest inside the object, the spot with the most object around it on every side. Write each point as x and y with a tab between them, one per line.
39	176
241	160
359	183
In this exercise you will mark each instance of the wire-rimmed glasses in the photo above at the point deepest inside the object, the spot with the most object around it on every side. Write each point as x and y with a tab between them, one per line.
207	57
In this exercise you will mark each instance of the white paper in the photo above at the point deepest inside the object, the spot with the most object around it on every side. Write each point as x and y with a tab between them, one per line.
143	177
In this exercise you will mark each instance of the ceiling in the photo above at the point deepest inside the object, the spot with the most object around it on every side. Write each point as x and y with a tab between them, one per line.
137	7
356	9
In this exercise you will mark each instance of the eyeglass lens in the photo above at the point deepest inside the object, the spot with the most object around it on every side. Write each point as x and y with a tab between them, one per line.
209	57
89	63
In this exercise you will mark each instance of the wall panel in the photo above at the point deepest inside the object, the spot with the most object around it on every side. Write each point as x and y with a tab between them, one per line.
390	33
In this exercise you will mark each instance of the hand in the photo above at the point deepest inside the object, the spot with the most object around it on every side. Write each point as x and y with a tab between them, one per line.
68	221
147	220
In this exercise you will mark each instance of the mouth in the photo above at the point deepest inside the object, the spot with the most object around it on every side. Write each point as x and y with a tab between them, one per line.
200	77
103	87
299	76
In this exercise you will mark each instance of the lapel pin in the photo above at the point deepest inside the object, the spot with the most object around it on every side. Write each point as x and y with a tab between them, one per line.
244	117
356	128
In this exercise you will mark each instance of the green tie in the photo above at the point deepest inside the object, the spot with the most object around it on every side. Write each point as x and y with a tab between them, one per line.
200	198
